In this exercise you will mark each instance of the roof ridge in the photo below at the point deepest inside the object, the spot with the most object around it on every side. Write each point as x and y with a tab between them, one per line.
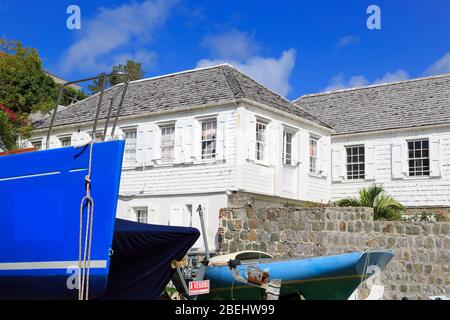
329	92
229	77
291	104
181	72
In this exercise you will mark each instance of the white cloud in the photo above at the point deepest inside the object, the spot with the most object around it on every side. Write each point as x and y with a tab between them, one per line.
347	40
398	75
147	58
271	72
242	51
442	65
233	44
110	34
339	82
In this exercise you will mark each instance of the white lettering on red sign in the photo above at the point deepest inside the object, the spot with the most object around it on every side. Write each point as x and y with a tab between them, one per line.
198	287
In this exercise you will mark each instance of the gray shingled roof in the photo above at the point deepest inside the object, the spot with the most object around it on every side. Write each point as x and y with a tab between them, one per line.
410	103
178	91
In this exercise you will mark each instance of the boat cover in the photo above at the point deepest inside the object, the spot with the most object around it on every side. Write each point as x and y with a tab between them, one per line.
140	264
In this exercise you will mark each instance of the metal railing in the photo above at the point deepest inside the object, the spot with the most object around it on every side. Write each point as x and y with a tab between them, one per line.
122	90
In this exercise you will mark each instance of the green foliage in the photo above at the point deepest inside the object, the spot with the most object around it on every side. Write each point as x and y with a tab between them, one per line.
96	85
133	68
384	206
71	95
25	88
7	131
348	202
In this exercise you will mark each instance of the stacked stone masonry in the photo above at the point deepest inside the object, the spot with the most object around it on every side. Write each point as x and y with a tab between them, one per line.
419	269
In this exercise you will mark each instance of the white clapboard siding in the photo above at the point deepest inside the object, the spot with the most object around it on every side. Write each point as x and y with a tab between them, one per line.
370	161
391	167
435	155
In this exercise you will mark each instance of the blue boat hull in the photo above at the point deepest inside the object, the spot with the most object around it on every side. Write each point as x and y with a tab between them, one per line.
330	277
40	195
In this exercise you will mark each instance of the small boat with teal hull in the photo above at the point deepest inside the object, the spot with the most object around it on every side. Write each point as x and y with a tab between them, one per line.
332	277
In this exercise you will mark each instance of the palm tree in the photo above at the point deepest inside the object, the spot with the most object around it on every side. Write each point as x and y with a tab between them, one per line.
384	206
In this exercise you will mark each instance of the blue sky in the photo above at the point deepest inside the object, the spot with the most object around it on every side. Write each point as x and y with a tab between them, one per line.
294	47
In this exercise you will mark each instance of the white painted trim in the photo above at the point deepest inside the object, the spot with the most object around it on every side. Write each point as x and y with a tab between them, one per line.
222	103
30	176
49	265
393	130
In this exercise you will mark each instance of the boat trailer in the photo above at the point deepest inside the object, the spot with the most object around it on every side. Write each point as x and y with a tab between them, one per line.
255	277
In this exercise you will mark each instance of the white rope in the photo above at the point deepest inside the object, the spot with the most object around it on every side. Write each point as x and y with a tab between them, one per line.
85	261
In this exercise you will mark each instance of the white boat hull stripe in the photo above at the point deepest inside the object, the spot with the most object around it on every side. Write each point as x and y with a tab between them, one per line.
47	265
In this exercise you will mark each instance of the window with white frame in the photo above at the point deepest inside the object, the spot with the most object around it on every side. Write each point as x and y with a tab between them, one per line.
355	162
141	214
130	145
167	143
98	135
209	136
313	158
419	157
261	140
37	144
287	147
65	141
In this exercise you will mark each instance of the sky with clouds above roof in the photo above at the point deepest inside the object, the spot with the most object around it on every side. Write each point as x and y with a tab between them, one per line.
293	47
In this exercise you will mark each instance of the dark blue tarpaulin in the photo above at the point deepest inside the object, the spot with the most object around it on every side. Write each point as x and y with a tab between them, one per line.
140	264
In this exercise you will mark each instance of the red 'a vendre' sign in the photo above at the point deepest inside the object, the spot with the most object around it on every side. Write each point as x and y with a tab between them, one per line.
198	287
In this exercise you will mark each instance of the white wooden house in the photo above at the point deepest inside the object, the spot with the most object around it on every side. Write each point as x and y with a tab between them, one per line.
198	137
395	134
195	137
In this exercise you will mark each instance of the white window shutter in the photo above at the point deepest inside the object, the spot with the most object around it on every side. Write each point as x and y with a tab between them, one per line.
140	145
220	136
251	137
178	148
197	140
75	139
370	161
188	139
176	217
435	170
325	154
397	162
151	214
150	143
337	167
274	134
295	148
156	143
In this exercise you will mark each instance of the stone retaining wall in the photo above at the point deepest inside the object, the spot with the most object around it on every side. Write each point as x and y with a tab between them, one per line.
419	269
